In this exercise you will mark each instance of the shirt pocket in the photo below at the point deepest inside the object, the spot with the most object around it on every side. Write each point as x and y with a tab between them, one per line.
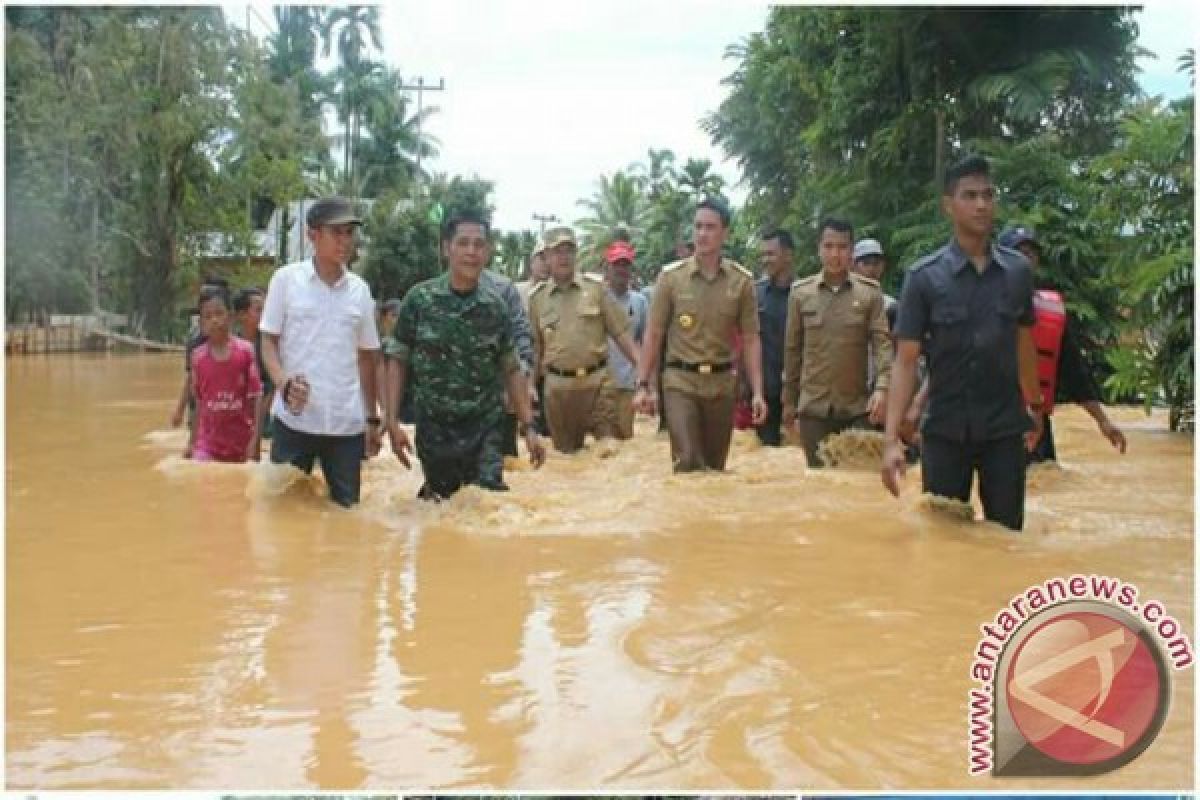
948	326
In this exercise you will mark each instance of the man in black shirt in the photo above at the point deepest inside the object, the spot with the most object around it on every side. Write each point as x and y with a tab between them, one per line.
772	292
1062	359
971	305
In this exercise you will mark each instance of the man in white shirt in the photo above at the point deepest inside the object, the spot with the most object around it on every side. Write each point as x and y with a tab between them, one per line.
321	348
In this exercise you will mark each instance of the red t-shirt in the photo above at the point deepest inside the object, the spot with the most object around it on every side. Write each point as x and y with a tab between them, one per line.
226	398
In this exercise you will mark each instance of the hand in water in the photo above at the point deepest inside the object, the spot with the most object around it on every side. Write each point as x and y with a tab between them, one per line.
1114	435
374	440
537	450
759	409
894	466
400	444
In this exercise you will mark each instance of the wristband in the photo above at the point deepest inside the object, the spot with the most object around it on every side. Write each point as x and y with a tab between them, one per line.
374	421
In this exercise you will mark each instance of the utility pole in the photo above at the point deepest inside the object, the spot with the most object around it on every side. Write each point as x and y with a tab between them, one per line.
420	88
543	219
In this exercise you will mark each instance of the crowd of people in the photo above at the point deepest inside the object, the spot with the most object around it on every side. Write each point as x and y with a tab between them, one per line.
961	371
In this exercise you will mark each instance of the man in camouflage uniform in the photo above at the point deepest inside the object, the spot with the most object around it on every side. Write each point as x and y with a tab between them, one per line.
454	336
572	318
699	303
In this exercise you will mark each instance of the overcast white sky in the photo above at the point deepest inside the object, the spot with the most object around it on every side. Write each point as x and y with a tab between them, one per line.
542	97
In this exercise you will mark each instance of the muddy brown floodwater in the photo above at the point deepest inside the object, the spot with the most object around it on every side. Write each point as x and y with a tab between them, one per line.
604	625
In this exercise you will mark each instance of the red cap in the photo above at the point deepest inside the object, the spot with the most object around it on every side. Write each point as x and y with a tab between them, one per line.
619	251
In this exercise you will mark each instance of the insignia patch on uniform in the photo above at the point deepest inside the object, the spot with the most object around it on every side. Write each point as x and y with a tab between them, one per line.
686	321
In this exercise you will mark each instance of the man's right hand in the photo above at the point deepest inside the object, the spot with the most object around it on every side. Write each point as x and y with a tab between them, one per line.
646	401
788	417
894	466
400	444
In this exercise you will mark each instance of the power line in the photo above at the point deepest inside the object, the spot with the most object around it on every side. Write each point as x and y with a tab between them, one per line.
420	88
543	219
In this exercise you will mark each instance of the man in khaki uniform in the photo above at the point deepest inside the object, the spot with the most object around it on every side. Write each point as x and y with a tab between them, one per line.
698	304
835	321
536	271
572	317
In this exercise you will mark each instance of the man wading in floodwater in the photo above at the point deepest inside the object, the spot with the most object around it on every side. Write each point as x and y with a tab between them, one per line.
698	304
454	336
321	349
974	302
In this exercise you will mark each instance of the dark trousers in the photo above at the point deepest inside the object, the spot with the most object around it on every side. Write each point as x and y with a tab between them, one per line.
341	458
456	455
769	432
947	469
700	429
508	435
813	431
1044	451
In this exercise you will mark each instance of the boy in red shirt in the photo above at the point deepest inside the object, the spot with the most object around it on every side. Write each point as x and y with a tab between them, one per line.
226	386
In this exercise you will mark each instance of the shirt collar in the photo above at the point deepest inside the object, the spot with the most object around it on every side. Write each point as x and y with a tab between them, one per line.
693	267
959	258
575	281
846	282
313	276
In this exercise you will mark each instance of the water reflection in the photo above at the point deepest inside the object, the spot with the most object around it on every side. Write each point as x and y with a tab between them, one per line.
606	625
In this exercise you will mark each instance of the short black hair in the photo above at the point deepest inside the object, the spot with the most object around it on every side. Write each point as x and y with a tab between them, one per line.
718	206
971	165
467	216
785	238
212	292
214	280
241	300
837	225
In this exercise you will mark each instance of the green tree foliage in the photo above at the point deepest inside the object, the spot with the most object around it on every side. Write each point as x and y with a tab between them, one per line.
1149	200
405	234
854	110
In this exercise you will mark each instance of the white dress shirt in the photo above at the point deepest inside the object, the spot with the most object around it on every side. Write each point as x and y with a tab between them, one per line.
321	328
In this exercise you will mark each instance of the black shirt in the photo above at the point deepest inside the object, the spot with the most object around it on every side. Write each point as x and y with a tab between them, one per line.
1075	383
968	322
772	323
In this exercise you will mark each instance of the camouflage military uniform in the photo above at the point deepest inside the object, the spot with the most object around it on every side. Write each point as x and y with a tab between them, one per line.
457	350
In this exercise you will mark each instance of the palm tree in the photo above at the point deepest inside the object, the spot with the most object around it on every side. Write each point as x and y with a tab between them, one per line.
697	179
618	201
352	27
396	140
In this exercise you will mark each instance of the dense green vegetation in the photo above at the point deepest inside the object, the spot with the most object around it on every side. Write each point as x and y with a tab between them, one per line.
855	112
135	133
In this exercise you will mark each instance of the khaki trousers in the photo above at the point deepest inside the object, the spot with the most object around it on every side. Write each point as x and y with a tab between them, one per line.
614	413
813	431
700	429
569	415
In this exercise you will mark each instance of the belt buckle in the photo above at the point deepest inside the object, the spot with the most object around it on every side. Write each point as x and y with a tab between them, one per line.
581	372
704	369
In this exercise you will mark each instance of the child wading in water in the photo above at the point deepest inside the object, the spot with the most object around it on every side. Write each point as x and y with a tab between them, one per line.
248	308
226	386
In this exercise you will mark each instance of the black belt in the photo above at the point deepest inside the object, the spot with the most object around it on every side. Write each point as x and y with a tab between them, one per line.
703	369
582	372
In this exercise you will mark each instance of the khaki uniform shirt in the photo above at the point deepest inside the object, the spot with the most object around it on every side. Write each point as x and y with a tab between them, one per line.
829	330
699	316
571	326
